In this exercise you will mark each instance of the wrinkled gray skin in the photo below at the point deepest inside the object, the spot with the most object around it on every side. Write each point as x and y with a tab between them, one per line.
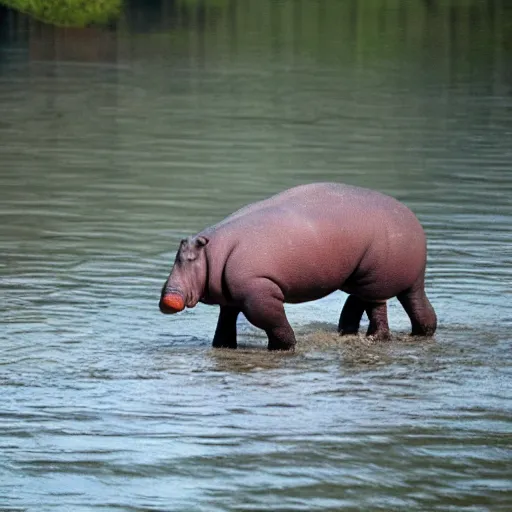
301	245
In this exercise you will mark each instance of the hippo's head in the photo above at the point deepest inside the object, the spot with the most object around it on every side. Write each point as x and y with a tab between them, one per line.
186	283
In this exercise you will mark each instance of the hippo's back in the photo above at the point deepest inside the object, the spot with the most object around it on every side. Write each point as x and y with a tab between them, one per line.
319	199
310	239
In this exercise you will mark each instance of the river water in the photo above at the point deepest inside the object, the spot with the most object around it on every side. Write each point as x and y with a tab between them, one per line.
116	142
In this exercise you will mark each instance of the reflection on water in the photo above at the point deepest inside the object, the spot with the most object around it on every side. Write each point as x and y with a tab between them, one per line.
117	141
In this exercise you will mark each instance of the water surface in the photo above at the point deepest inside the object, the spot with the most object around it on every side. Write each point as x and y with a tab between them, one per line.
116	142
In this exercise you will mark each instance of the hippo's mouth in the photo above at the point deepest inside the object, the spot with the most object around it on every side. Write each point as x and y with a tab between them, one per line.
171	302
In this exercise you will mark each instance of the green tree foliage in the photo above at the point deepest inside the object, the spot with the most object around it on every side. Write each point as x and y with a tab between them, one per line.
75	13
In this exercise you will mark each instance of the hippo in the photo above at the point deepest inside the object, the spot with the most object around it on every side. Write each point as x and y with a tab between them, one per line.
301	245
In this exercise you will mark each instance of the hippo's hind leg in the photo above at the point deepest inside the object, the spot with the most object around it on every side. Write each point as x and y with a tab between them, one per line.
378	315
353	311
225	334
351	315
420	311
263	306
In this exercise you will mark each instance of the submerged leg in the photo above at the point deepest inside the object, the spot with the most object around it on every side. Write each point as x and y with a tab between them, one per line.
264	308
351	314
420	311
378	314
225	334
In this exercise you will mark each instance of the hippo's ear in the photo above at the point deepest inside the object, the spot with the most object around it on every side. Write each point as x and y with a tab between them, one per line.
201	241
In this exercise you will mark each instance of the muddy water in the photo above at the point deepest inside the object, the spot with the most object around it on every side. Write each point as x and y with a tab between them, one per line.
114	143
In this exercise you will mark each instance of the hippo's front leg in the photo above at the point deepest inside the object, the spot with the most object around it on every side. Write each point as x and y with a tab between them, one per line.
225	334
263	306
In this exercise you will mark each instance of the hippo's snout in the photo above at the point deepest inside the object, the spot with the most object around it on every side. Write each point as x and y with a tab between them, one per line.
172	302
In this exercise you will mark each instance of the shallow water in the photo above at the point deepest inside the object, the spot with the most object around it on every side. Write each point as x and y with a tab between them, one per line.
114	143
